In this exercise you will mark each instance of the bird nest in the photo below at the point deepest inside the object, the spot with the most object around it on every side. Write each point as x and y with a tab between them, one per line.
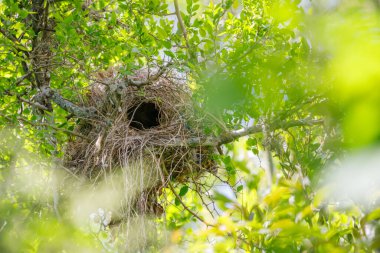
146	126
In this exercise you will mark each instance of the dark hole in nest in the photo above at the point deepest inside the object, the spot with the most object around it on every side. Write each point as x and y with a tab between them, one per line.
144	116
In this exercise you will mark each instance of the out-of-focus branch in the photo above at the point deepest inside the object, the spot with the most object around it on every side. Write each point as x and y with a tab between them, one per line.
181	23
270	168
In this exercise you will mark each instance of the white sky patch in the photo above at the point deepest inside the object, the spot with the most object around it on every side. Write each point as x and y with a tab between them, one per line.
356	178
305	5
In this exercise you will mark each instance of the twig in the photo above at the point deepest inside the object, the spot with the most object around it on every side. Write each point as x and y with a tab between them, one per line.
45	125
198	191
218	121
237	60
22	78
13	39
188	209
150	79
34	104
3	226
54	128
180	200
270	169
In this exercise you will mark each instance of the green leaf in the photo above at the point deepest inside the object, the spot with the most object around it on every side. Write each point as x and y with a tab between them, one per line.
169	53
184	189
252	142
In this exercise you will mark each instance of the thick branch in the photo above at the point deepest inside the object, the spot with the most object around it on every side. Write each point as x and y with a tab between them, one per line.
78	111
234	135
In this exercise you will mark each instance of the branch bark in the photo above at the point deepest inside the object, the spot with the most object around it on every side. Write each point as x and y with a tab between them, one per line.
78	111
229	137
181	23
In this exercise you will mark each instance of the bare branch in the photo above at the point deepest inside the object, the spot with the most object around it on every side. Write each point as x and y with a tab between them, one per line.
234	135
78	111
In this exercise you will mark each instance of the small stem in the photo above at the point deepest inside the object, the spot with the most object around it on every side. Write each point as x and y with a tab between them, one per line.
187	208
46	125
180	21
180	200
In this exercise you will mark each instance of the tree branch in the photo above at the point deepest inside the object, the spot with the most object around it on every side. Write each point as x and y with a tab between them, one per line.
78	111
31	103
236	134
34	104
22	78
180	21
36	124
179	198
186	207
13	39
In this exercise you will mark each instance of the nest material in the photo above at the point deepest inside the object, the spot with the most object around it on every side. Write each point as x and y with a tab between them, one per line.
145	125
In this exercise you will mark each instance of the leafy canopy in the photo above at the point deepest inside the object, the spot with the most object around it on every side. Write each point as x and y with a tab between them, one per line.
305	73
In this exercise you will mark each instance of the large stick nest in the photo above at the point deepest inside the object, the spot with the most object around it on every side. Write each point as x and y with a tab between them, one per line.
152	122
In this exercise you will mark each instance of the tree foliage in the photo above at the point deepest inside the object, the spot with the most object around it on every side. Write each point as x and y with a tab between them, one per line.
291	89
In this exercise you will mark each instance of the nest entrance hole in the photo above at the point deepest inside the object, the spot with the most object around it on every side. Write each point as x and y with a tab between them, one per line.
143	116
